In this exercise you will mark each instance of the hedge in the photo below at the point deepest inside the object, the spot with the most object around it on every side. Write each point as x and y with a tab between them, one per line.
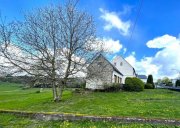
114	87
148	86
133	84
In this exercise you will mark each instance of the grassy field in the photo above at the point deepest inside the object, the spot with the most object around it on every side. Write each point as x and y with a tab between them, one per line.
11	121
157	103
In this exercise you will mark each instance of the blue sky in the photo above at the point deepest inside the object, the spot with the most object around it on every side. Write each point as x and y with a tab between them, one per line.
155	43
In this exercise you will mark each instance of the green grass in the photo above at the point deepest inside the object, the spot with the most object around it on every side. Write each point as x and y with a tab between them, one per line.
12	121
157	103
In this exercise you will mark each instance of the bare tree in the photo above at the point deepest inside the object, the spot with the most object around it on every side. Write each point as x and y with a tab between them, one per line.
53	43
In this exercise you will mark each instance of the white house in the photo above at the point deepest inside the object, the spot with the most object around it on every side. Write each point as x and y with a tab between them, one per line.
122	65
101	72
143	78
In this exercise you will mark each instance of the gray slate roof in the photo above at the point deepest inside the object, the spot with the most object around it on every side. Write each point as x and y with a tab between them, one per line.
142	76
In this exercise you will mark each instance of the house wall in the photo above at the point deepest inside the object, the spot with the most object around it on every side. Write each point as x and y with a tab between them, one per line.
118	75
99	73
124	67
94	83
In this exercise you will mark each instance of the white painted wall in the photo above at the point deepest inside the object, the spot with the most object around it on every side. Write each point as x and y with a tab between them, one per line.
117	74
126	69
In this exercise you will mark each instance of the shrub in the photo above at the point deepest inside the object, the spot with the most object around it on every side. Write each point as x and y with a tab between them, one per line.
150	80
148	86
128	84
166	80
77	90
114	87
133	84
83	85
38	91
177	83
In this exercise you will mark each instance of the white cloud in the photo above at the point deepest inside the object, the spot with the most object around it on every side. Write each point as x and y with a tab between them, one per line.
106	44
162	42
162	63
134	53
18	57
124	50
144	66
112	46
114	21
132	60
169	57
6	67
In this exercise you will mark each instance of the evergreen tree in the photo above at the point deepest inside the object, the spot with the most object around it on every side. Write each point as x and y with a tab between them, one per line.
150	80
177	83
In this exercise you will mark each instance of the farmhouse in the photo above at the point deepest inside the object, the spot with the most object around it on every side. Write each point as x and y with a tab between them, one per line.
124	67
101	72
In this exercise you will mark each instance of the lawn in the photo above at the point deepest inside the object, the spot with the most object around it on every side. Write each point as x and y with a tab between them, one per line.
157	103
12	121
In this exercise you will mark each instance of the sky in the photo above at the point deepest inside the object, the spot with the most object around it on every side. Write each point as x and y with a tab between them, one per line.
145	32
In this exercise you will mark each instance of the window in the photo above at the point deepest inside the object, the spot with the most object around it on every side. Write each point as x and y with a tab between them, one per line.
120	80
115	78
121	63
114	63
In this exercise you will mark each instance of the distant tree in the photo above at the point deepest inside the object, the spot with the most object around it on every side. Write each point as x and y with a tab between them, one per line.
150	80
166	80
159	81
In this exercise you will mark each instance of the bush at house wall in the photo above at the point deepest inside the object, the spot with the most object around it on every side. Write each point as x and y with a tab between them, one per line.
113	87
133	84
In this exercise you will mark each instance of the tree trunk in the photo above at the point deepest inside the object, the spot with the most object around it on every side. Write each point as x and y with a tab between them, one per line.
61	87
55	94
